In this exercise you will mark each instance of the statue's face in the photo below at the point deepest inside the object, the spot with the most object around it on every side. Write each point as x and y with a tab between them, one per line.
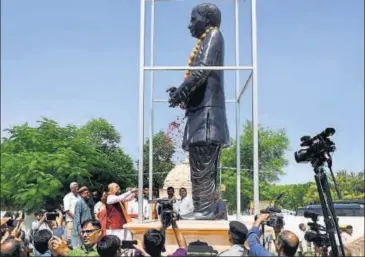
198	24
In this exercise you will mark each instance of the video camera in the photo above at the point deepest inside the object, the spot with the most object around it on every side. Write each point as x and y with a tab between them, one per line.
166	211
315	147
276	219
317	234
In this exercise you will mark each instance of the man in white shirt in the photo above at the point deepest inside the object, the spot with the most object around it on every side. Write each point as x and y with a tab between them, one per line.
69	203
303	244
148	206
132	206
185	204
40	222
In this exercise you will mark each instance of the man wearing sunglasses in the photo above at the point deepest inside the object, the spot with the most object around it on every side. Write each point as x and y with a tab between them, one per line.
286	242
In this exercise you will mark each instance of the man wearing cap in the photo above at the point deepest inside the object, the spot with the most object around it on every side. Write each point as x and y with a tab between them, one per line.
69	202
82	213
237	236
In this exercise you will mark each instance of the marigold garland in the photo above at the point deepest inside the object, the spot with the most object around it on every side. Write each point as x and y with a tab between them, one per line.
196	50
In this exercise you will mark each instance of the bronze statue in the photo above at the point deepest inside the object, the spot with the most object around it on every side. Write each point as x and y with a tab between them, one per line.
202	95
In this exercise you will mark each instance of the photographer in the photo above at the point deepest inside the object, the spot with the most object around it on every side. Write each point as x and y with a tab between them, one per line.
286	242
40	222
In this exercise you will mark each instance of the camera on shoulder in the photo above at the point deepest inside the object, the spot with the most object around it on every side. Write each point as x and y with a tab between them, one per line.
276	219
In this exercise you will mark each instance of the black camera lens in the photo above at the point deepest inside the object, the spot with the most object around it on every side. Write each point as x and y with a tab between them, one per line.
301	156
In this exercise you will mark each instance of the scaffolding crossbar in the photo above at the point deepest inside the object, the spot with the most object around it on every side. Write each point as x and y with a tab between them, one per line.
159	100
170	68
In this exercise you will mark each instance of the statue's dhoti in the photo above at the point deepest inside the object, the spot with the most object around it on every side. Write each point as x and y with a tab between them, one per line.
204	160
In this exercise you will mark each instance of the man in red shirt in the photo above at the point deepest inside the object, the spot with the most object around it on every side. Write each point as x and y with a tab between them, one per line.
117	215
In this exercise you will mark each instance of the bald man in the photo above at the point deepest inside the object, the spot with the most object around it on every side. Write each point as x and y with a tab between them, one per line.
115	215
286	242
11	248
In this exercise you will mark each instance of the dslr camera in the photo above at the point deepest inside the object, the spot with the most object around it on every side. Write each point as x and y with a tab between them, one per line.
317	234
166	211
276	219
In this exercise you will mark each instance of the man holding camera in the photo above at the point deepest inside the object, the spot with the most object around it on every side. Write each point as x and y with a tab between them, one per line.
40	221
286	242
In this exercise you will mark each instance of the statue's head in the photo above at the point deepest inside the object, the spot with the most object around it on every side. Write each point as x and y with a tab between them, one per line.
202	17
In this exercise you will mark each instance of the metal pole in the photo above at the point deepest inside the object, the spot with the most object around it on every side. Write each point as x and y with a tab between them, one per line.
220	177
249	79
238	130
150	167
141	108
255	108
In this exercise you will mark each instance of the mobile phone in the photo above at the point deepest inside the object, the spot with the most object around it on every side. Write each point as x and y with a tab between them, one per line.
129	244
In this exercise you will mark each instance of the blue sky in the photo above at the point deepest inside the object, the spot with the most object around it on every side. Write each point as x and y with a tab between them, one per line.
76	60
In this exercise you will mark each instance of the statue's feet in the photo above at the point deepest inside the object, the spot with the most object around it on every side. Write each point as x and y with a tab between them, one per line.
198	216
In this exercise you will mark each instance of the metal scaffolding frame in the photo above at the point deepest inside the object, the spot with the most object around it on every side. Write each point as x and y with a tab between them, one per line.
239	92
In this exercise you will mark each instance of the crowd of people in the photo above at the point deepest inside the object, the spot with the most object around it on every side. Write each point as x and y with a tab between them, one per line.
94	226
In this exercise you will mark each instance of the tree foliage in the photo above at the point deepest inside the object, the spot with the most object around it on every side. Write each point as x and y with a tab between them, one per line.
350	184
116	165
38	163
294	194
272	147
163	151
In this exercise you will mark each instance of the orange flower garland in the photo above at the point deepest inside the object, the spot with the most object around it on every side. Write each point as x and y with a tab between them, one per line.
196	50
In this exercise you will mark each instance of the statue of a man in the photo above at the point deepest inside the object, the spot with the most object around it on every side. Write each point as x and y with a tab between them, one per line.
202	95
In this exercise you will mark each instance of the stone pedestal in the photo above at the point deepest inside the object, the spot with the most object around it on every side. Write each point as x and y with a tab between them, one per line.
215	233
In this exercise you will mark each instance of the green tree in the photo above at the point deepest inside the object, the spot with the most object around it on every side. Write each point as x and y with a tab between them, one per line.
350	184
163	151
272	147
116	166
293	194
101	133
38	163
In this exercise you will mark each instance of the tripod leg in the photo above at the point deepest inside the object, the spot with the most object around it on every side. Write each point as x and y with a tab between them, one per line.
334	221
324	194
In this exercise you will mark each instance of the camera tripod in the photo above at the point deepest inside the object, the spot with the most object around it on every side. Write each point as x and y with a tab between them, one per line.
329	215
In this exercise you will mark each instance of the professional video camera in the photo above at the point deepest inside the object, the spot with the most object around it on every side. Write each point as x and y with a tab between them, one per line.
315	146
318	150
166	211
317	234
276	219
